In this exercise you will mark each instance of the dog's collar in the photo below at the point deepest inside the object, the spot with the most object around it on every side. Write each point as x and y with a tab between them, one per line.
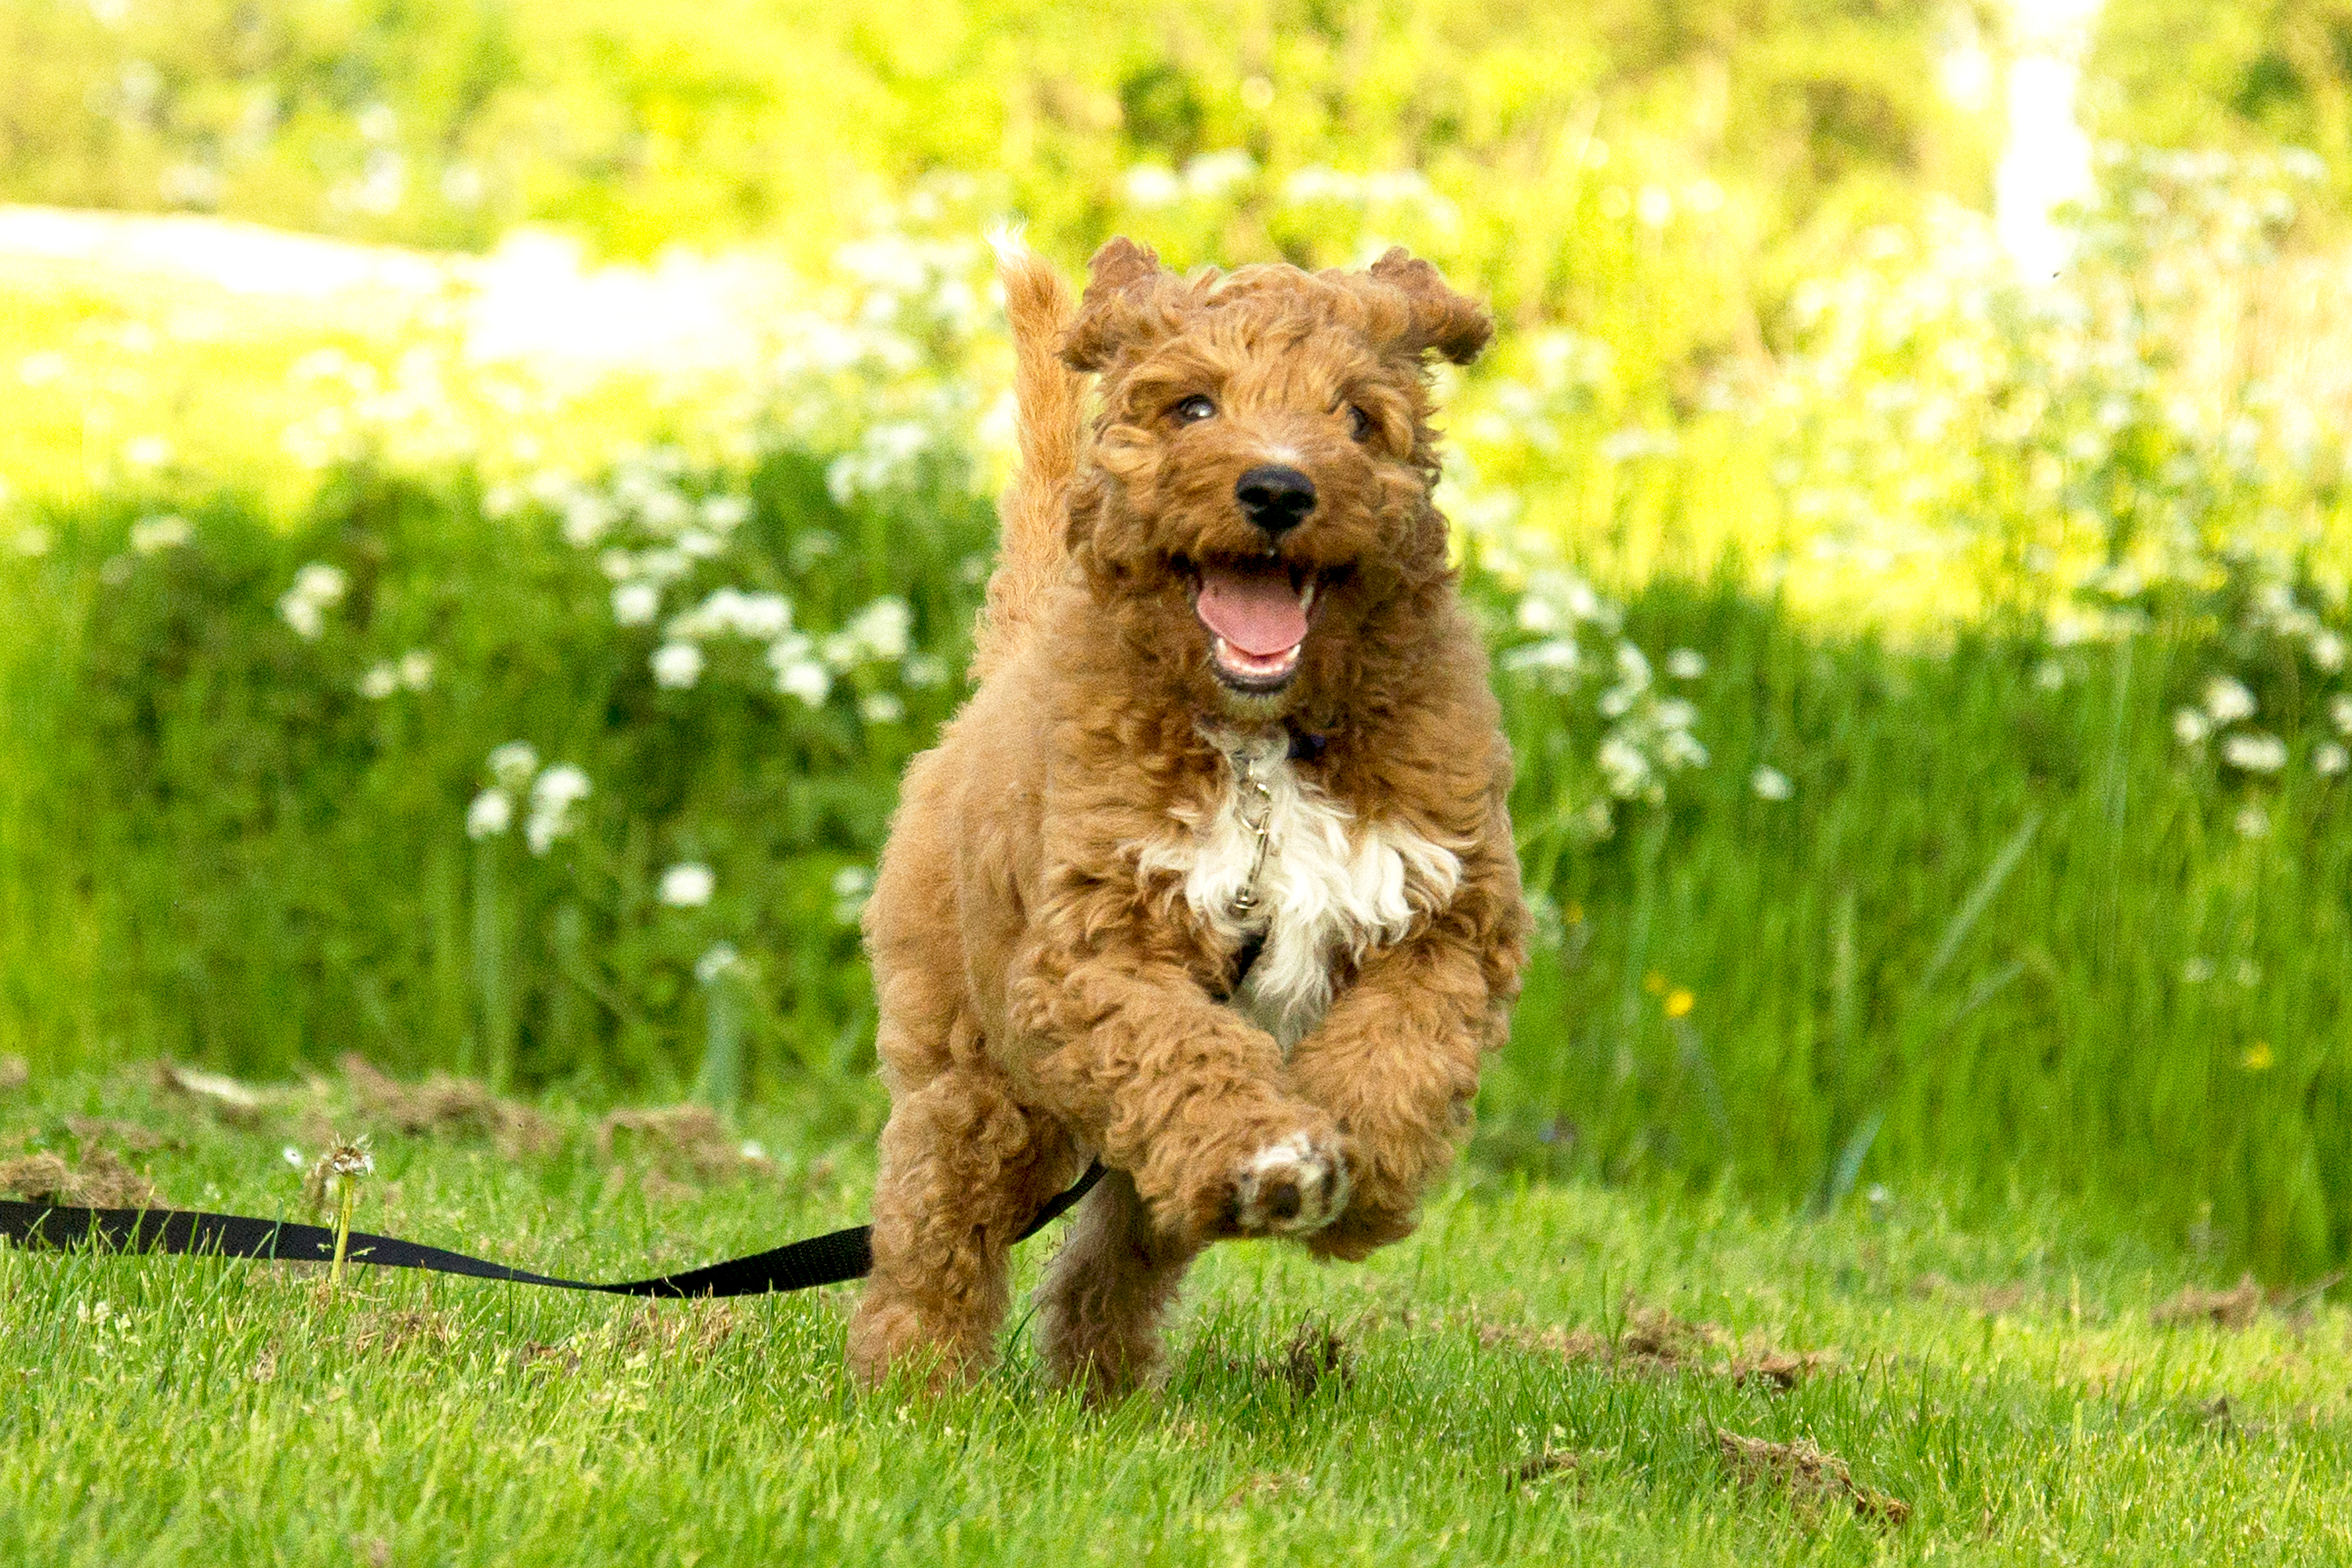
1307	748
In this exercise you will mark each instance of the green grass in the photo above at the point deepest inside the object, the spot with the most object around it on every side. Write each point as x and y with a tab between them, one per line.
2009	1384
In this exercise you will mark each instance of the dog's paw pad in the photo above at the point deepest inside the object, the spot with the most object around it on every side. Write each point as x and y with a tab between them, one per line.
1288	1188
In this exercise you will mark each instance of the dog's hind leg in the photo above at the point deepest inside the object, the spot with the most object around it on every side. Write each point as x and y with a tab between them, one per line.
964	1170
1100	1304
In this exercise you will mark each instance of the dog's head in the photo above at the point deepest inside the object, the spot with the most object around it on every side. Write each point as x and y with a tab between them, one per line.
1260	480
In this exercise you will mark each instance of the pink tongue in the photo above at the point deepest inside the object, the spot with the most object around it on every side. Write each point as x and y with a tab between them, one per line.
1255	611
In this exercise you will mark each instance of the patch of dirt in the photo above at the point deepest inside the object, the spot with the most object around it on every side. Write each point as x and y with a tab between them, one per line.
693	1328
131	1136
1314	1353
1268	1486
561	1359
1991	1301
1655	1341
687	1141
442	1106
387	1334
15	1072
101	1182
2236	1308
1812	1477
1553	1463
225	1096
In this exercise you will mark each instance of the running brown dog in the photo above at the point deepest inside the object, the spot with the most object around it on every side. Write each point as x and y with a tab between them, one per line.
1212	879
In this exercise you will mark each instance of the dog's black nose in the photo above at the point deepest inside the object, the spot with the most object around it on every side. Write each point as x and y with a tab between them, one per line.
1277	499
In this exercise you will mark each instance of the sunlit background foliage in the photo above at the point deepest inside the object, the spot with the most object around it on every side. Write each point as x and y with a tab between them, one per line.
493	647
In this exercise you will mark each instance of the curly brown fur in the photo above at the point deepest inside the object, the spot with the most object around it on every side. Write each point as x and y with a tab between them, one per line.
1055	939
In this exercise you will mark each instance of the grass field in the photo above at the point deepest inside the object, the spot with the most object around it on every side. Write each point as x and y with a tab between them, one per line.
1558	1373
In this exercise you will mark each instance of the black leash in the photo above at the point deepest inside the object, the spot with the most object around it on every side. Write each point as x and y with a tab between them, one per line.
830	1260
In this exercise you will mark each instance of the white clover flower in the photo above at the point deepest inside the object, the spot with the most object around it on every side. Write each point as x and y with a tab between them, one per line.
881	708
2326	650
416	669
2189	726
2253	752
635	603
851	886
1153	185
1675	713
700	544
149	534
513	764
618	566
2227	701
923	671
2050	675
688	884
31	542
2329	760
552	799
883	630
1770	783
662	510
1555	655
491	814
1633	667
1679	749
677	665
2253	822
2339	712
804	678
302	616
587	518
2196	970
726	513
1623	767
380	682
720	960
317	589
1685	664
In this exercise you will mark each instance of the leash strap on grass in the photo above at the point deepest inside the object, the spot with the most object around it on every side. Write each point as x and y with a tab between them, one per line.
829	1260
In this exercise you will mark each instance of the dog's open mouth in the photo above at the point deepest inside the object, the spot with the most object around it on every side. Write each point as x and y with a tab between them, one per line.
1256	613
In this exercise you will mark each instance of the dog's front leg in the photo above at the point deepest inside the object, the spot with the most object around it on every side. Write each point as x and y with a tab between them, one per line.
1396	1063
1182	1094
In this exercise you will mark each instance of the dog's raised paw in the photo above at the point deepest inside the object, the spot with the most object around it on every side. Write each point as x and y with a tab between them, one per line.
1288	1188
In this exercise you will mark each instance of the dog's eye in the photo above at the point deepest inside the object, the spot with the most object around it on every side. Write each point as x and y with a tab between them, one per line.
1359	423
1193	410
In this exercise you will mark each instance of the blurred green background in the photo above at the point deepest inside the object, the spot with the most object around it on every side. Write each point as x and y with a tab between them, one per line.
479	619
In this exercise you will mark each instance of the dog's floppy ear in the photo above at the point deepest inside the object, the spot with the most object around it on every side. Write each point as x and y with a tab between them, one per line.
1434	316
1121	279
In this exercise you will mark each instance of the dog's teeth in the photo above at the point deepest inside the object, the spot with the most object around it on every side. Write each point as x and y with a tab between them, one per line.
1307	599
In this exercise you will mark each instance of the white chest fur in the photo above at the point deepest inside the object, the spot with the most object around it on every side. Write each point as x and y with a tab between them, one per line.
1332	890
